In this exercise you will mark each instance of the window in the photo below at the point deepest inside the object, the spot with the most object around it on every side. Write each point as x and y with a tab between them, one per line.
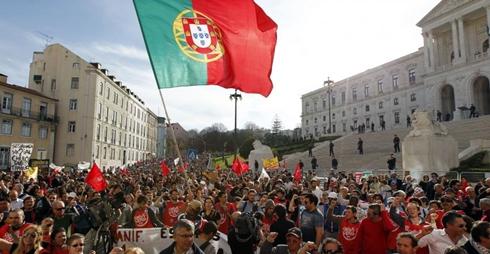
395	101
115	99
26	130
307	122
334	129
71	126
324	118
324	103
343	113
26	107
70	150
96	152
114	117
6	127
342	97
307	107
315	108
395	81
380	86
105	153
397	117
7	103
366	90
367	108
101	89
4	157
413	97
333	99
333	116
316	120
113	154
73	104
74	82
76	65
344	127
105	134
43	110
99	111
113	136
98	131
53	84
354	111
43	132
108	94
37	78
324	129
411	76
107	114
380	105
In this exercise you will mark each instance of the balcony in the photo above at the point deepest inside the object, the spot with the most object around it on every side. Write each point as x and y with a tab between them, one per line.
28	114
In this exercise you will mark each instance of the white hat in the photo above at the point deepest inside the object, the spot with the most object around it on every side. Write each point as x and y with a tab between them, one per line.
332	195
72	195
333	179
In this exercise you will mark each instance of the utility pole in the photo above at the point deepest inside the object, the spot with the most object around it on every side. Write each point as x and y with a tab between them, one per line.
329	83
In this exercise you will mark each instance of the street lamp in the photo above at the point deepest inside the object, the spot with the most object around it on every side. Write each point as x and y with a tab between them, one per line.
329	83
235	96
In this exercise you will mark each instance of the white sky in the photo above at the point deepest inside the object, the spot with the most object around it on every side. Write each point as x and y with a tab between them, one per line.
316	39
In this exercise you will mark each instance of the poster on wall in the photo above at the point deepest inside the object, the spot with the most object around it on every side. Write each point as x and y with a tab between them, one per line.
20	154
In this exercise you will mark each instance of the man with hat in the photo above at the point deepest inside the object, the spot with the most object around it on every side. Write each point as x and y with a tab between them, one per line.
331	227
294	244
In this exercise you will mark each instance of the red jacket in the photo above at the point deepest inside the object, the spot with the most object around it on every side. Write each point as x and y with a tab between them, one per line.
374	235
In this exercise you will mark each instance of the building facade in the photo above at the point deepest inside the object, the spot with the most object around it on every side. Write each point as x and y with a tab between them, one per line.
447	75
26	116
161	137
101	120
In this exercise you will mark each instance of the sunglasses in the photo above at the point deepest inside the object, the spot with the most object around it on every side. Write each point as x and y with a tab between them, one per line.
32	235
78	245
60	209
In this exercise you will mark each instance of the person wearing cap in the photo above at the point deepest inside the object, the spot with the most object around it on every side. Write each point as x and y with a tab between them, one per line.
294	244
315	187
331	227
82	218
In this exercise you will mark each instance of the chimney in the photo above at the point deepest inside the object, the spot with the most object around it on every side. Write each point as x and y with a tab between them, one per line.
119	83
96	65
112	77
105	71
3	78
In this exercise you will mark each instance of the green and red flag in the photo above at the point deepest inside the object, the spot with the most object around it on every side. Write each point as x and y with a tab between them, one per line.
209	42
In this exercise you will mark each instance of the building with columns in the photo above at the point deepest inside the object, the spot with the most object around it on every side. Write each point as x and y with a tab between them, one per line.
100	119
448	74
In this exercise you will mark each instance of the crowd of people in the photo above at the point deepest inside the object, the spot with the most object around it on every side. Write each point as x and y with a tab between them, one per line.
275	214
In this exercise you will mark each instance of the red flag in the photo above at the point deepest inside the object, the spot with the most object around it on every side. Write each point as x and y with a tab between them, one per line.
239	167
165	169
298	175
95	179
124	171
218	167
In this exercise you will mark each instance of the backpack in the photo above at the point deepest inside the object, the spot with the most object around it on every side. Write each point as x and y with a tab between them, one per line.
254	208
246	228
83	224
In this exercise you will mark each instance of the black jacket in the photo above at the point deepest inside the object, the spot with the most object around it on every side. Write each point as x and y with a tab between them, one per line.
170	249
469	248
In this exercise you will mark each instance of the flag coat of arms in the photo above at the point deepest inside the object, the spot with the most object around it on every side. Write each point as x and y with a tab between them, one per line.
201	42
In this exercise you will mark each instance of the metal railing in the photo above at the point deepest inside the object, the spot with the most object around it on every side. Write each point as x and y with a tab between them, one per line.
29	114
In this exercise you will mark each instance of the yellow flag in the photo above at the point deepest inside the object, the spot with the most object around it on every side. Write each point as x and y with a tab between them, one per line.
272	163
31	172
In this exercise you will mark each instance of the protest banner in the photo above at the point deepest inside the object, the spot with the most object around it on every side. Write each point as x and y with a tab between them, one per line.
272	163
20	154
154	240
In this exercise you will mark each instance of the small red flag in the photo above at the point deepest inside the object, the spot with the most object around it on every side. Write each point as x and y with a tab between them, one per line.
239	167
95	179
124	171
165	169
298	175
218	167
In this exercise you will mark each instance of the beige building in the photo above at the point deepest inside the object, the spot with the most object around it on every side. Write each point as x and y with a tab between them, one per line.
446	76
26	116
100	119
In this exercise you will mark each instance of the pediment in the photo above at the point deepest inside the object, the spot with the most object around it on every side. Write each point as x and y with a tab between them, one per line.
445	6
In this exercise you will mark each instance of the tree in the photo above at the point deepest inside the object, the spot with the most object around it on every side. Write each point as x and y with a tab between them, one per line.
276	125
251	126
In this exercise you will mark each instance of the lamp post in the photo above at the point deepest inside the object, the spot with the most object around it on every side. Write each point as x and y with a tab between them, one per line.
235	96
328	83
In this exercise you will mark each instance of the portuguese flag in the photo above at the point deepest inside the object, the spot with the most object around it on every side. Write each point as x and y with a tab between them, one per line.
229	43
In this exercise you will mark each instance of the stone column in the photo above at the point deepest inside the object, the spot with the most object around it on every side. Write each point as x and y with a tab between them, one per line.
462	42
432	51
454	31
427	58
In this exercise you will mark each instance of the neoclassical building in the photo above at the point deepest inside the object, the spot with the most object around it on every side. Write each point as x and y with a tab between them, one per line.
450	72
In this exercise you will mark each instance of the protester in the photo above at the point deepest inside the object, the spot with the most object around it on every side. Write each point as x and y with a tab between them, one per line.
294	244
406	243
452	235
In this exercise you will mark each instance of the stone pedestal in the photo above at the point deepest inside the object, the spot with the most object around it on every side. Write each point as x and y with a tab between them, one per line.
423	155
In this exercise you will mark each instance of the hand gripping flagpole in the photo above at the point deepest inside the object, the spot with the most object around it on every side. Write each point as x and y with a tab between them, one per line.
174	138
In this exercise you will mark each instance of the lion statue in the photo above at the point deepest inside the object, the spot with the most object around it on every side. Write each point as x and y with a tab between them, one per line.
423	125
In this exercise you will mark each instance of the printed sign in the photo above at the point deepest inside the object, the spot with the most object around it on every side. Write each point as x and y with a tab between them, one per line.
154	240
20	154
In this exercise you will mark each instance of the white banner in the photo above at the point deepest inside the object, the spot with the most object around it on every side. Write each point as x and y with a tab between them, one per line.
83	165
20	153
154	240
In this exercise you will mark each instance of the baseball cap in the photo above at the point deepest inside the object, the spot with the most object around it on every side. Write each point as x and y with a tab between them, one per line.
332	195
295	232
72	195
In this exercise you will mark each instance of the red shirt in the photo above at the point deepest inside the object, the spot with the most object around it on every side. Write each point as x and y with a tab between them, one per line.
224	222
374	235
416	229
171	212
348	236
4	234
142	218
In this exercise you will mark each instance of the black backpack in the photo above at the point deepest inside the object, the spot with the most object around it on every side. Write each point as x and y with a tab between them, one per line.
246	228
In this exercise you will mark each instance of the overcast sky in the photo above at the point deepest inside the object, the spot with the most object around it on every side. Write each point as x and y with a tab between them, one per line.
316	39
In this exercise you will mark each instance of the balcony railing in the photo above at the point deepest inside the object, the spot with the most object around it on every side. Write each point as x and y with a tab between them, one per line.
28	114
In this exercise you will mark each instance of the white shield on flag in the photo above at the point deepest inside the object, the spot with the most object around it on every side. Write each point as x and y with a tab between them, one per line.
200	35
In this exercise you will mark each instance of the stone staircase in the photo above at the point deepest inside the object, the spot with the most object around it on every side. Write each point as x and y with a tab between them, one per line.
379	145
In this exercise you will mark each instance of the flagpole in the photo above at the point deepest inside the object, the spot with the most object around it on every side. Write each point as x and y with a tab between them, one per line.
174	138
